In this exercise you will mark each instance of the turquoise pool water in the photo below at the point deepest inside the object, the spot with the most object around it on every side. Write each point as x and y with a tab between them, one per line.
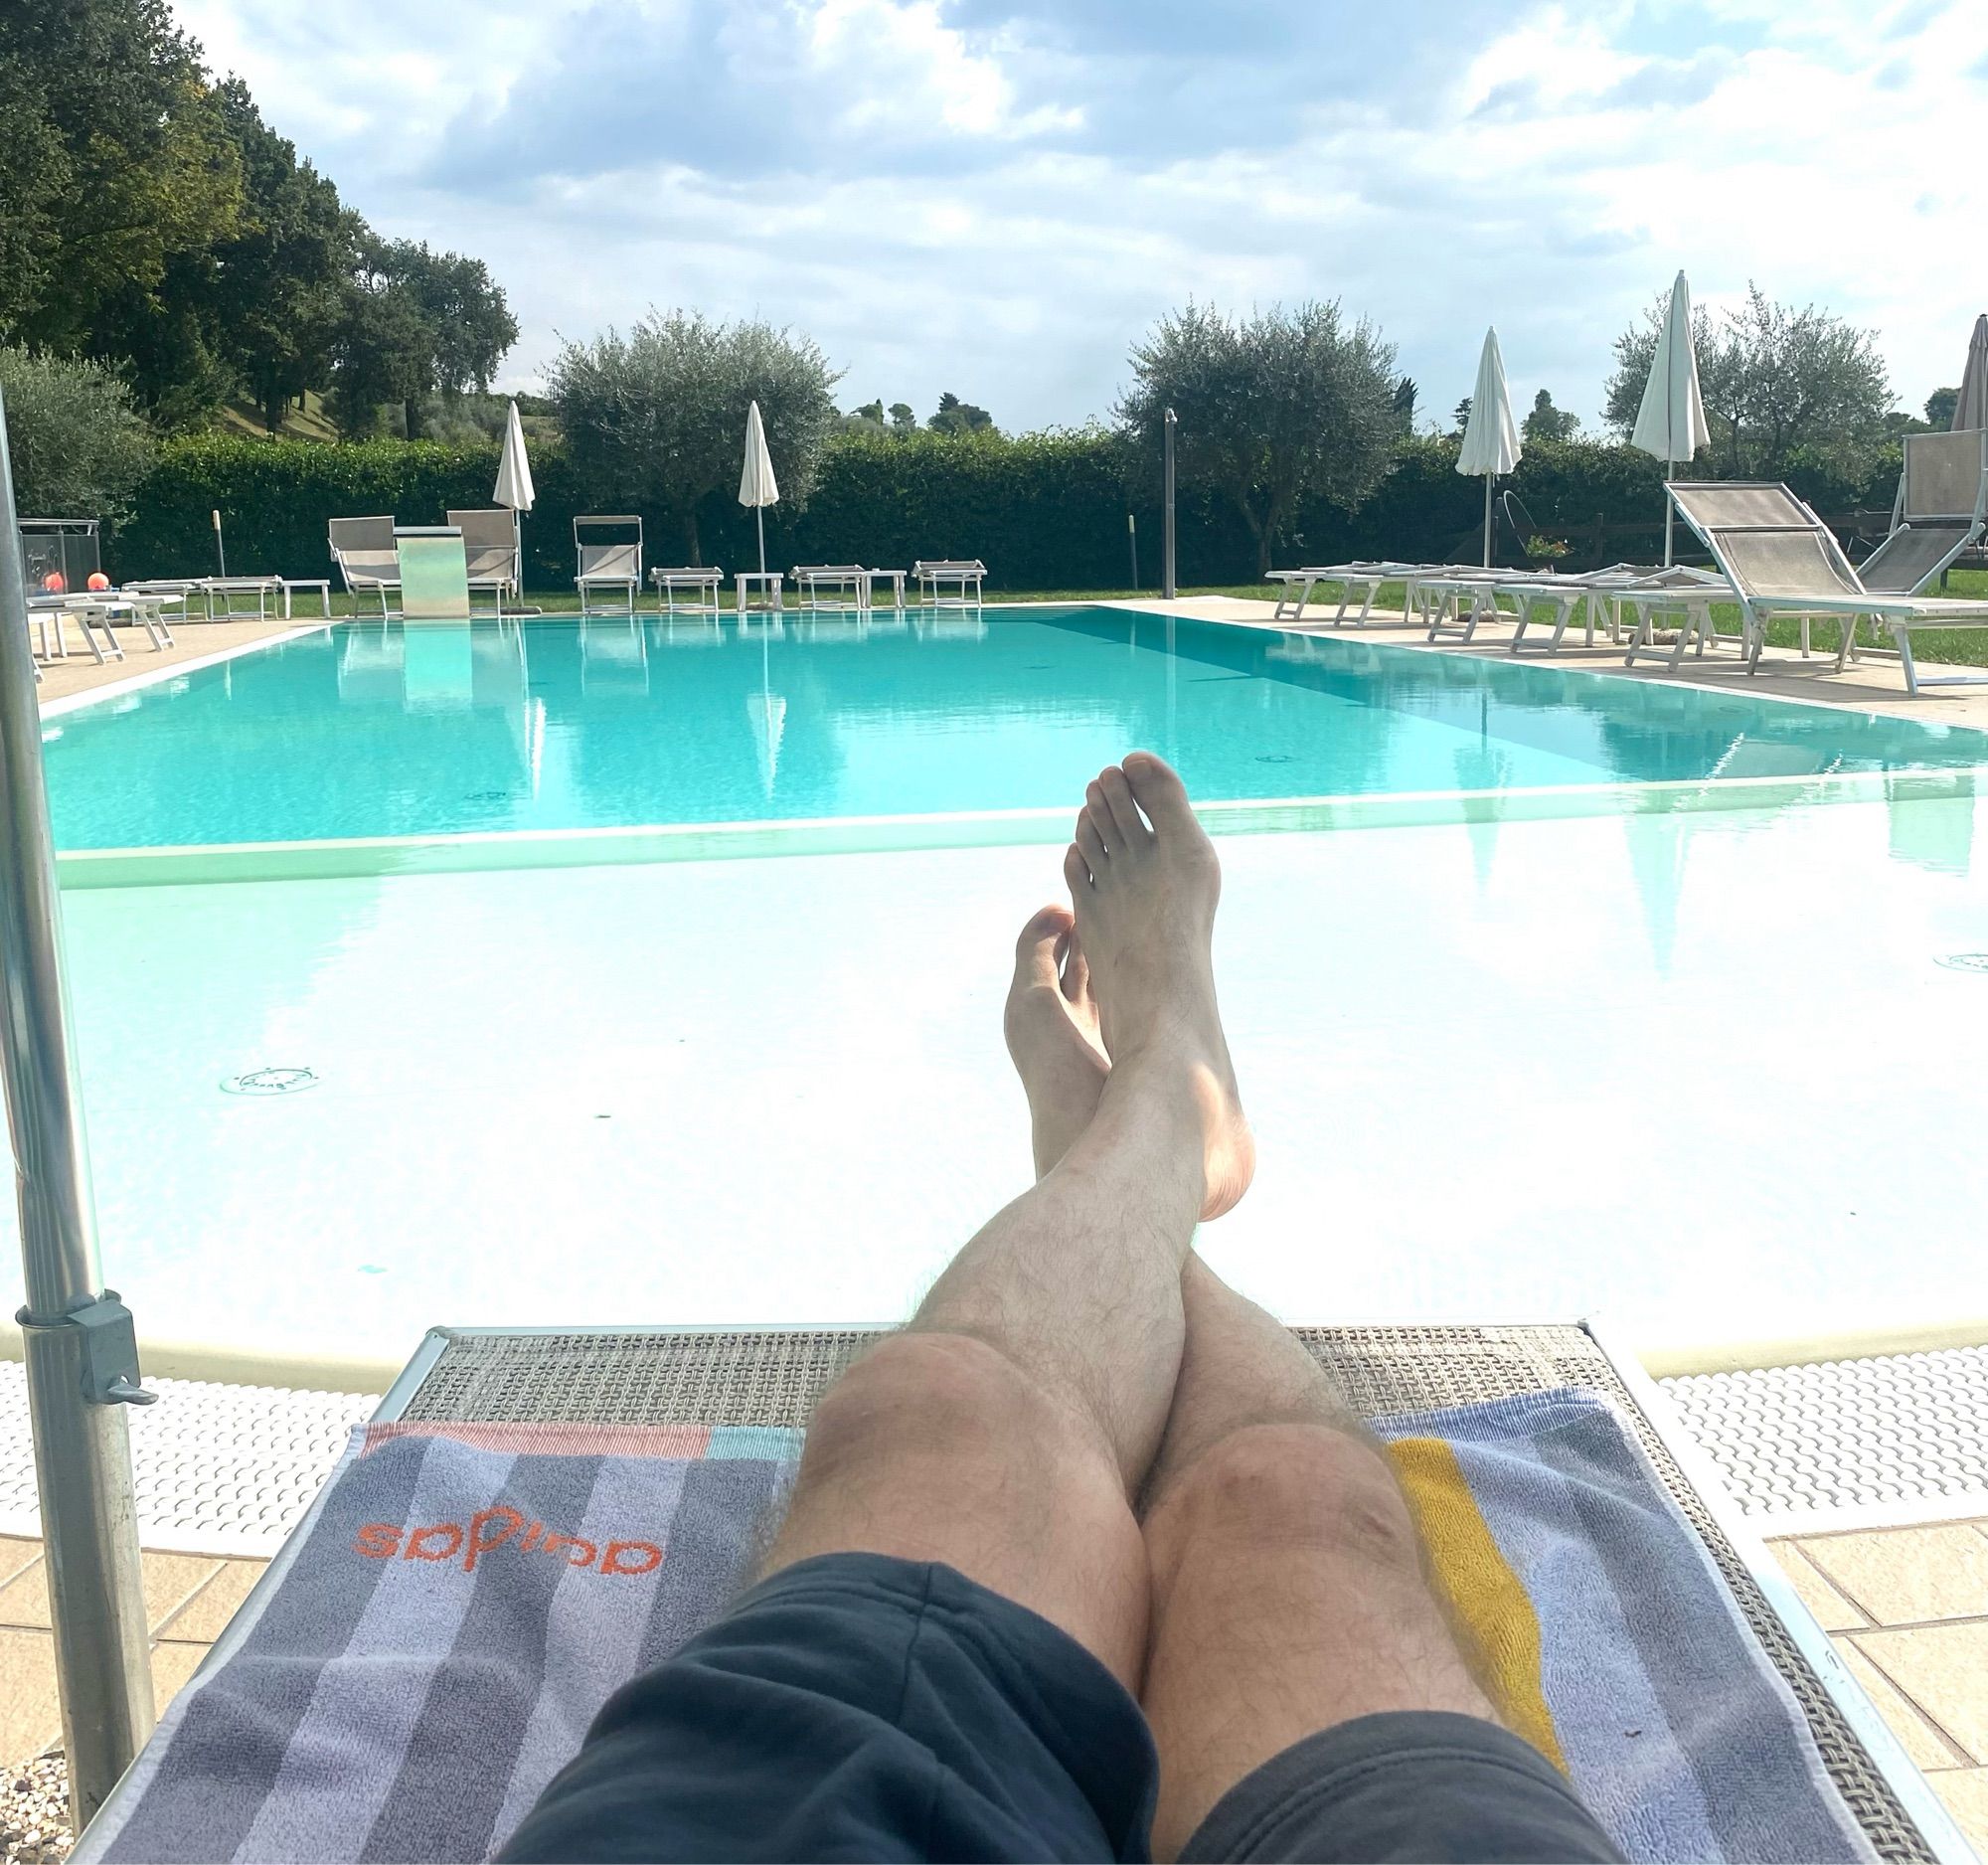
370	730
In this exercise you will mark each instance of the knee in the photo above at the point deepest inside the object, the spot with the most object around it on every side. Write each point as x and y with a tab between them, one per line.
923	1392
1289	1485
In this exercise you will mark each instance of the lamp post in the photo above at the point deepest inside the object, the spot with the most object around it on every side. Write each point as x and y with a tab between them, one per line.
76	1337
1167	553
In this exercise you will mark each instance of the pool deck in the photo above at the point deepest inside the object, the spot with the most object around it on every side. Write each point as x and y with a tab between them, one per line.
193	641
1870	686
1907	1607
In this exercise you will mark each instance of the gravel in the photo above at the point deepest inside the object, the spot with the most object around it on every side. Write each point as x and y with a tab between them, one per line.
33	1813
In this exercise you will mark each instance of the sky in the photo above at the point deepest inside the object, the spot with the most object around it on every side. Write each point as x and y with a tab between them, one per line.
999	197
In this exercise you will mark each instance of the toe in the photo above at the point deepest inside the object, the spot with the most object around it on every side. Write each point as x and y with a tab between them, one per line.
1041	945
1075	970
1159	790
1131	831
1076	872
1090	842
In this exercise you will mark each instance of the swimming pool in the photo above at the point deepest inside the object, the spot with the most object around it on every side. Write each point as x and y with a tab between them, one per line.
1713	1070
373	730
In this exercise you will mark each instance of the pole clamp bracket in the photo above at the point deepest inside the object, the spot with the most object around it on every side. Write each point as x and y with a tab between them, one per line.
110	1350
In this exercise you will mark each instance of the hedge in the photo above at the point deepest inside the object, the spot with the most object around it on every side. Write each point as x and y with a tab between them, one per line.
1046	510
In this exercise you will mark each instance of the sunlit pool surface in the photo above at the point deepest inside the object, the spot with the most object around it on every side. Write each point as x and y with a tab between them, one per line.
1712	1071
374	730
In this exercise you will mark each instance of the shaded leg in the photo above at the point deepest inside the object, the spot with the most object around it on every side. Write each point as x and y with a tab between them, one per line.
1288	1590
1004	1432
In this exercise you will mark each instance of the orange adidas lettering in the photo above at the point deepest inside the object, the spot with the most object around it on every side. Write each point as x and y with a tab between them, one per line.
492	1528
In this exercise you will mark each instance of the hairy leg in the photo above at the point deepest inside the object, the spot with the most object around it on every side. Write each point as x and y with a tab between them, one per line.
1004	1432
1288	1583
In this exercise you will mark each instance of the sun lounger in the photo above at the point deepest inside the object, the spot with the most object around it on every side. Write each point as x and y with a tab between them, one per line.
1940	509
841	581
702	581
1782	560
367	560
936	574
1359	579
490	551
609	553
614	1421
1602	593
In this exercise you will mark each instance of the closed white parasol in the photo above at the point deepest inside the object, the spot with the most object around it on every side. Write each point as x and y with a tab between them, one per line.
1490	440
756	485
1671	421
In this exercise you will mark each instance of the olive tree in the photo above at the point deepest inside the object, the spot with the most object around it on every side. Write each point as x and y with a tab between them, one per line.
78	445
1271	408
1774	378
656	419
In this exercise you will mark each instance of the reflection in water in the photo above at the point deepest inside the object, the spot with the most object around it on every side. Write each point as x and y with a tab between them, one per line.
372	729
613	654
1931	821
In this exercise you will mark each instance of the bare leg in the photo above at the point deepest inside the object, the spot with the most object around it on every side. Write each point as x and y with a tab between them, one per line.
1288	1591
1006	1430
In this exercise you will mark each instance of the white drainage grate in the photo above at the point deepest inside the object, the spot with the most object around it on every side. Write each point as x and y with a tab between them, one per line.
1900	1437
219	1469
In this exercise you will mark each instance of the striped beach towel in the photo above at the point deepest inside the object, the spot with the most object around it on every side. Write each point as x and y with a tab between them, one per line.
463	1598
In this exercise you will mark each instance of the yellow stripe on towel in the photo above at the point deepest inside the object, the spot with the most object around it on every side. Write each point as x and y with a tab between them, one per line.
1479	1586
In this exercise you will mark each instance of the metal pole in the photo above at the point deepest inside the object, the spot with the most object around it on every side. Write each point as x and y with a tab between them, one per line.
760	518
220	549
78	1339
1487	521
1167	588
1670	518
1132	532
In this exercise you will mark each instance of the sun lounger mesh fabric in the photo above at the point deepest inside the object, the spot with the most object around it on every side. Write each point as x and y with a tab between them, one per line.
1944	473
773	1378
1784	562
1907	557
612	563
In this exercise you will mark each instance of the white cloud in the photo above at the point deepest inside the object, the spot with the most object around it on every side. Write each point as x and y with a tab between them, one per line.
997	198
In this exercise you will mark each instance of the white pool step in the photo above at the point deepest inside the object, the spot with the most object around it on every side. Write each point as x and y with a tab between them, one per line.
229	1471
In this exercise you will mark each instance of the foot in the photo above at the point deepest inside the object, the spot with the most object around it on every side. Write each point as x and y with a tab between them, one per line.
1050	1022
1144	880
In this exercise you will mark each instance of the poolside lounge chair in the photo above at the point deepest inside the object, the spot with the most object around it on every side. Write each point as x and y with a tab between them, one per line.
1781	559
1940	509
702	581
490	549
1358	578
366	556
609	558
498	1381
848	581
936	574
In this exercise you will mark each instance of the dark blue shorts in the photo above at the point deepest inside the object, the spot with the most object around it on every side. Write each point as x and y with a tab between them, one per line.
857	1707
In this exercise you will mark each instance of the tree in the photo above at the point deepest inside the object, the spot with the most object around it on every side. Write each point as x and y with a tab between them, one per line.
414	323
1270	409
957	417
1940	406
1775	379
116	162
656	420
1405	393
276	292
78	446
903	417
1461	417
1547	423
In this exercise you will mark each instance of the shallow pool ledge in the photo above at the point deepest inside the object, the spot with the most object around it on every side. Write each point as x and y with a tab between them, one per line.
364	856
